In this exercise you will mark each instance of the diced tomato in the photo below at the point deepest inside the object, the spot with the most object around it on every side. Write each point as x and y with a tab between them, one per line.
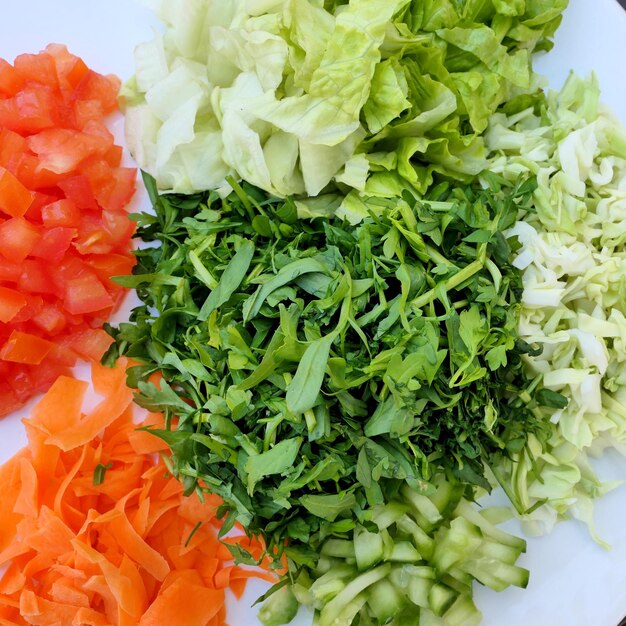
11	147
120	192
17	238
77	189
9	271
34	210
30	174
114	157
14	197
87	110
90	344
86	294
38	68
98	87
64	229
60	213
34	278
60	150
25	348
30	111
54	244
11	303
51	319
70	69
107	265
34	305
10	80
119	226
93	237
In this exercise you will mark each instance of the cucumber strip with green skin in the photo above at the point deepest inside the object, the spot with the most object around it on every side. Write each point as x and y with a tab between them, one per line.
466	510
333	613
368	548
331	583
386	515
425	544
463	613
280	608
404	552
418	591
441	598
340	548
426	513
497	575
384	600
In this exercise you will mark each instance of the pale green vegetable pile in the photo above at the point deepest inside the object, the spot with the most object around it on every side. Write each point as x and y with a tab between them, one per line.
574	262
304	96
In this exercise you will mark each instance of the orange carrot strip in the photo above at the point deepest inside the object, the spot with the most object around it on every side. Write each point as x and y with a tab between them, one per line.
183	603
61	407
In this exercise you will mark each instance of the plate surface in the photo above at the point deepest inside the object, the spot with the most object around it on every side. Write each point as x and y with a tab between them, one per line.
573	581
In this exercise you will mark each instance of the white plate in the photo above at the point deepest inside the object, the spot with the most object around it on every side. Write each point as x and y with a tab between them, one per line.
573	581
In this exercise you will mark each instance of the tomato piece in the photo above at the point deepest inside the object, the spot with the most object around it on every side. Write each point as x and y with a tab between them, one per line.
37	68
54	244
11	147
14	197
90	344
119	226
70	69
25	348
33	214
77	189
34	305
119	192
34	278
86	294
29	172
86	111
60	213
107	265
51	319
17	238
61	150
9	401
95	86
9	271
31	110
114	157
10	80
11	303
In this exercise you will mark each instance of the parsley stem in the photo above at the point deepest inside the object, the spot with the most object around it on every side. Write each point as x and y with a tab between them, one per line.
452	283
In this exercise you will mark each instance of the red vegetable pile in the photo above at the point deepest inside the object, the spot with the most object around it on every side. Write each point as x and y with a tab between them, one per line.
64	229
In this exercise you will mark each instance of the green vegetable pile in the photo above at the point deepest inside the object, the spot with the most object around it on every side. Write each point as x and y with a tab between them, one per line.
316	366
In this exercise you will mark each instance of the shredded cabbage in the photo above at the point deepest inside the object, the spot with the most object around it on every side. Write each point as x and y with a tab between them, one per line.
574	301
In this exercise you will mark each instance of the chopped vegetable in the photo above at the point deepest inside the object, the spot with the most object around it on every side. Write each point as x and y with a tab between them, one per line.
412	561
315	367
95	531
292	95
64	230
574	264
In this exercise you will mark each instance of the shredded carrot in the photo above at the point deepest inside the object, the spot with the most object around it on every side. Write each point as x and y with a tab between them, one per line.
130	551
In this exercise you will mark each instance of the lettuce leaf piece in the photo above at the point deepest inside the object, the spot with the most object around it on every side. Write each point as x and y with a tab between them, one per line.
296	89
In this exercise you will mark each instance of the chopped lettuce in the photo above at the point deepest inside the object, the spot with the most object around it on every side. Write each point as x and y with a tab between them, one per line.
303	97
574	261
